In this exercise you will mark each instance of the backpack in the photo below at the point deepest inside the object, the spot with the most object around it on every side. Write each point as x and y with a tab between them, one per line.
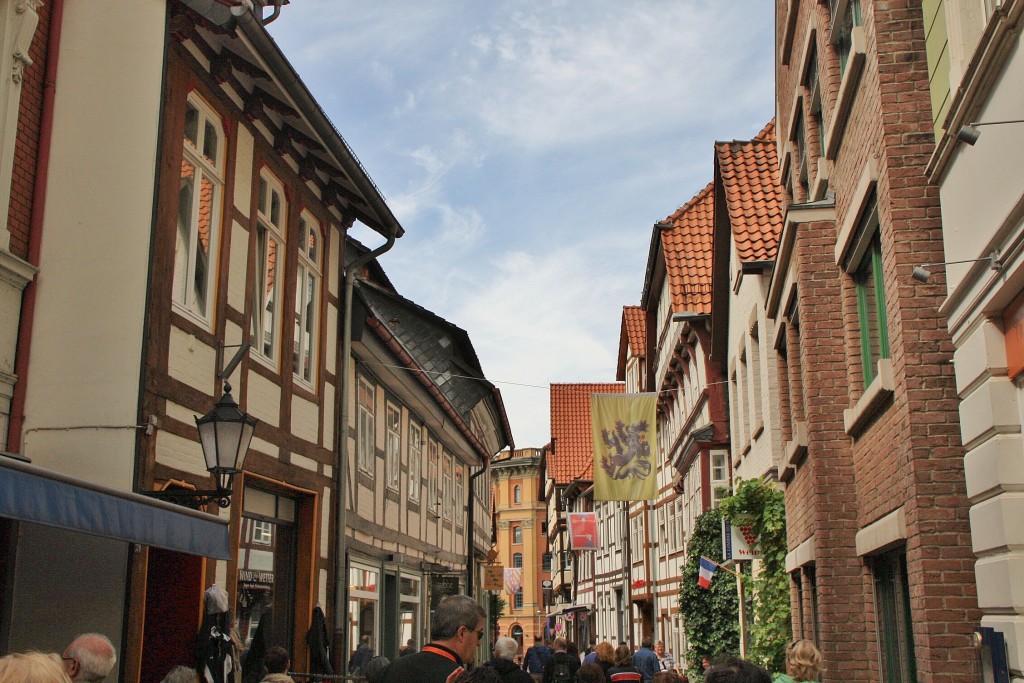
560	672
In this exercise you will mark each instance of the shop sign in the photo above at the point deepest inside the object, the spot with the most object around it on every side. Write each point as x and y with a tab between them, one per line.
738	540
255	577
494	575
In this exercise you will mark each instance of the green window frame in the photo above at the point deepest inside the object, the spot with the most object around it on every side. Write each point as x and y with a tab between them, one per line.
868	277
846	14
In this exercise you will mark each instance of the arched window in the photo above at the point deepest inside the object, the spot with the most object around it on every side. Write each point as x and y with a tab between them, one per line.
517	560
517	494
517	534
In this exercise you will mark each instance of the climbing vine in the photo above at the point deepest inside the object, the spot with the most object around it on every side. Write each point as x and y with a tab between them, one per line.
710	616
763	506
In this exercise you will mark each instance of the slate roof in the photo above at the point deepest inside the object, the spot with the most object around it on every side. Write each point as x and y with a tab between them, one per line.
687	245
441	349
573	456
633	335
749	172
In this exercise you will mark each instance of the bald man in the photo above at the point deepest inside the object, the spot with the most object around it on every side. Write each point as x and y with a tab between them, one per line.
89	658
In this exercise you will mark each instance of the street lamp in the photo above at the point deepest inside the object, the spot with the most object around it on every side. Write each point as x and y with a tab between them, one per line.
224	433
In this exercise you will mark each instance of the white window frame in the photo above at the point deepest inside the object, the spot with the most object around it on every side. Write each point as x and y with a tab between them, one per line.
415	460
308	283
447	506
365	424
185	298
460	494
393	445
271	230
432	476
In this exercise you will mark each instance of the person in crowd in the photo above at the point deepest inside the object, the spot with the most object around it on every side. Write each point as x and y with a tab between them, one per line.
361	657
803	663
481	674
590	656
605	656
536	657
89	657
736	670
590	673
505	651
375	669
181	674
559	661
407	649
623	671
455	633
572	649
667	677
276	662
645	661
668	662
32	667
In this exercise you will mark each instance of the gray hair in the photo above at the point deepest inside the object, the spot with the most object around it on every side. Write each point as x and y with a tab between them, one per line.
375	669
181	674
95	655
506	648
452	612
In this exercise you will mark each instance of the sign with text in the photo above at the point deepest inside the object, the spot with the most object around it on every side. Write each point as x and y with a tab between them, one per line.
738	540
494	577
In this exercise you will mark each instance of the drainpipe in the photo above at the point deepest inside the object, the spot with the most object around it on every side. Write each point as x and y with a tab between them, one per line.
341	469
35	231
471	531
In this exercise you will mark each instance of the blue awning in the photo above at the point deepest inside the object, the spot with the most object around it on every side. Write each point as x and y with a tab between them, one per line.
34	494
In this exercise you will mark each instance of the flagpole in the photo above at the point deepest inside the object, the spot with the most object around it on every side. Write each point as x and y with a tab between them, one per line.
743	604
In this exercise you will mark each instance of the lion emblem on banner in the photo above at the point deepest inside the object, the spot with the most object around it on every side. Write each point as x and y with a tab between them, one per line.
629	451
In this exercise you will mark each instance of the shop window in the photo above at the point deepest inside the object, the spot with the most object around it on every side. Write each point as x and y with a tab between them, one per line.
363	604
307	301
200	196
415	460
267	557
410	598
270	235
517	559
365	426
892	612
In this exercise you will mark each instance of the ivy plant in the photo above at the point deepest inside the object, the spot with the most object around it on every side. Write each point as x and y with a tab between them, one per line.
763	506
710	616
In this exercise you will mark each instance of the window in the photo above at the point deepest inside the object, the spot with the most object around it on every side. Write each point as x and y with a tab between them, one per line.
845	15
517	494
365	426
519	599
517	534
802	173
814	95
756	408
892	609
460	495
270	231
200	195
262	532
307	300
517	560
415	455
393	445
446	491
546	562
719	477
432	473
868	277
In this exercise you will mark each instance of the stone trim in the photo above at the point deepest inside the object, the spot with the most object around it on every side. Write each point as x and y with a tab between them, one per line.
883	534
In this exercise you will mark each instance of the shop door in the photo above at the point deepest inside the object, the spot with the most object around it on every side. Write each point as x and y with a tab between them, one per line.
173	595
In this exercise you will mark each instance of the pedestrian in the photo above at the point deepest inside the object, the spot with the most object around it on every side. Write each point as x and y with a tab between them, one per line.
561	666
803	663
536	657
455	633
276	662
32	667
407	649
505	651
361	656
646	661
375	669
590	673
736	670
605	656
668	662
181	674
667	677
89	657
624	670
481	674
572	649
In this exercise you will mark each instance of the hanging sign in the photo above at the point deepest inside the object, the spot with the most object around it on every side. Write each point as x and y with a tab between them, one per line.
494	577
738	540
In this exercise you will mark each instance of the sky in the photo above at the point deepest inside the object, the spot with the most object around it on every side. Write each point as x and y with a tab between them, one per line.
527	149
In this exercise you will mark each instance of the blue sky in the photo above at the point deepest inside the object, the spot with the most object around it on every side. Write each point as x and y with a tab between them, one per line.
527	149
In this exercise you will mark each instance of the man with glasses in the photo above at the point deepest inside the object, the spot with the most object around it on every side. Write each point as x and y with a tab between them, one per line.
456	630
89	657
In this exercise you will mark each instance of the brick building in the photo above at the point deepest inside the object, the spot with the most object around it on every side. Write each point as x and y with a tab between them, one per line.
877	512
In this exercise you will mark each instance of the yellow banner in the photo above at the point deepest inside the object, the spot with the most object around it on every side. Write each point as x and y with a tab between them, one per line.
625	446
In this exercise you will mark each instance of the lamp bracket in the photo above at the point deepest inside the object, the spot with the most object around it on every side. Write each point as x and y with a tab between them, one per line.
995	263
243	348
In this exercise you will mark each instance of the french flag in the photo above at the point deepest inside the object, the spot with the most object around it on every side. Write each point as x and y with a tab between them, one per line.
707	570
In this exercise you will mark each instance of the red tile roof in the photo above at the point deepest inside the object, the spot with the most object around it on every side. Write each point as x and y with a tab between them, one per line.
573	456
633	335
688	249
750	176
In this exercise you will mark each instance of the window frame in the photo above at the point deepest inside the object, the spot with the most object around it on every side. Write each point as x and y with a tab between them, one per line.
517	494
393	445
308	271
517	560
267	234
365	424
517	534
415	459
864	264
213	171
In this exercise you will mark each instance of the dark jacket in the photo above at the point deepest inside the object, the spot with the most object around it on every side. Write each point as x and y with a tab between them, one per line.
574	665
536	657
509	672
432	664
319	641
